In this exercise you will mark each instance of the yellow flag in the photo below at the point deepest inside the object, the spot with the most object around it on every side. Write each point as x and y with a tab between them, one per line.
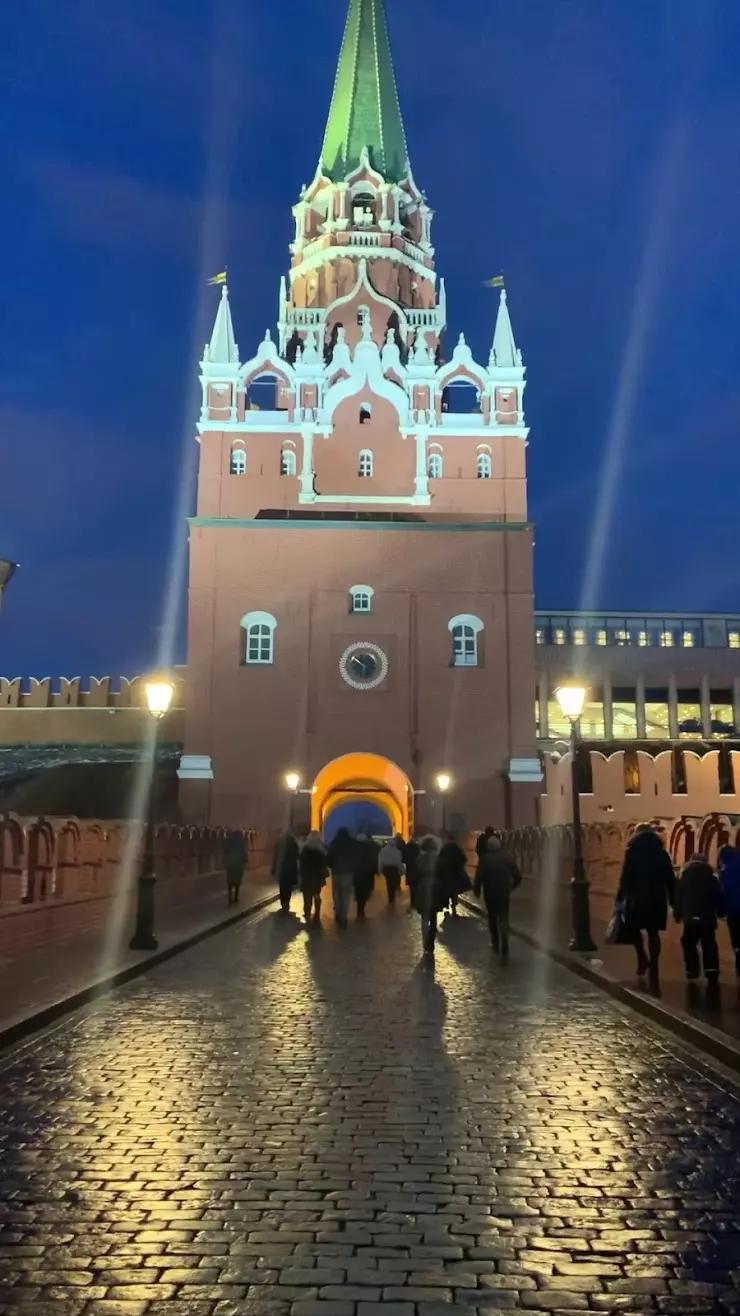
496	282
217	278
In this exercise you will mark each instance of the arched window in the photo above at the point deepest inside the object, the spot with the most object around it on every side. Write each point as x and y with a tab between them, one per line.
238	464
361	598
435	467
287	462
485	469
259	638
465	631
365	465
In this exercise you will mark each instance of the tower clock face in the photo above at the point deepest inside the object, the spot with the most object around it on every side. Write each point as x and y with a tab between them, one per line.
363	666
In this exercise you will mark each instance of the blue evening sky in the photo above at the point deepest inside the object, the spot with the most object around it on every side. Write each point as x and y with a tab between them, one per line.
586	147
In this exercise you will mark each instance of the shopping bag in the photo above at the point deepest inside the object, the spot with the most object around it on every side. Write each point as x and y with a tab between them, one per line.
617	932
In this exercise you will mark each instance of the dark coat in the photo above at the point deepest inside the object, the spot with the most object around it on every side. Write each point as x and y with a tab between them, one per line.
729	880
498	875
451	874
411	852
313	870
285	860
427	893
698	897
365	867
648	883
482	842
235	858
341	856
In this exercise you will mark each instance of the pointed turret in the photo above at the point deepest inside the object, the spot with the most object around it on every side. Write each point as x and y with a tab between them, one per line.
222	349
504	352
364	109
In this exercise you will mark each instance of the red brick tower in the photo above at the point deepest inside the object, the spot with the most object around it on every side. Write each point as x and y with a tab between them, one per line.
361	606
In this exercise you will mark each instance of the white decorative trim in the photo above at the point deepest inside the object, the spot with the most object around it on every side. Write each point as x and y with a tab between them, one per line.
466	619
195	767
313	260
529	770
360	647
366	500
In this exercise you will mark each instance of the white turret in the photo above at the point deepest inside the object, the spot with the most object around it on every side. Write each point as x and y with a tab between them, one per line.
222	349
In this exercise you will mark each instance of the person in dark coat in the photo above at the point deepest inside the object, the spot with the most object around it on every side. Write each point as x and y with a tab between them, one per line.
285	868
646	889
235	861
390	863
367	853
729	881
451	872
481	843
411	851
497	876
314	870
341	858
428	893
698	905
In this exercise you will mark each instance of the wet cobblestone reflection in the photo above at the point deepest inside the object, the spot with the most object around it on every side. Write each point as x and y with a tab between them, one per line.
284	1124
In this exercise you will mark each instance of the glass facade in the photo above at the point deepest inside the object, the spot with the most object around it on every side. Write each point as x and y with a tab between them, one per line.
641	632
689	715
624	714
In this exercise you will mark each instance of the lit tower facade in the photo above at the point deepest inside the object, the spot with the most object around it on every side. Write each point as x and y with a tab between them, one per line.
361	598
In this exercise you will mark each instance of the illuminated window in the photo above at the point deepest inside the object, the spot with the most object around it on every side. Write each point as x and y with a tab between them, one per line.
435	468
361	598
721	713
259	644
643	639
688	639
365	465
689	715
484	466
602	638
539	636
624	714
631	772
733	639
537	716
622	637
558	635
579	637
657	720
465	631
592	720
559	726
238	464
287	462
666	639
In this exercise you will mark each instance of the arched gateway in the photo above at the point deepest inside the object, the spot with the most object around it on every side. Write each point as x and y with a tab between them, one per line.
363	778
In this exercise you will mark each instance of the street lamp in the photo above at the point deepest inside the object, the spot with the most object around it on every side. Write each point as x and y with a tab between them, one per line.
159	690
571	699
7	571
292	781
444	781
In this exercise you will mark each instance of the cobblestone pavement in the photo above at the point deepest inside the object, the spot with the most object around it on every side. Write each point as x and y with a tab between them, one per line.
283	1124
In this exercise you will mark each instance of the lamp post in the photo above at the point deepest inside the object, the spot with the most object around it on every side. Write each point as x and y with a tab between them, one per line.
292	781
571	699
159	690
444	781
7	571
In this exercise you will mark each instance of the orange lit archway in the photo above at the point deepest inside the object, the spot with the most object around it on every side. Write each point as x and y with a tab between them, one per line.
368	777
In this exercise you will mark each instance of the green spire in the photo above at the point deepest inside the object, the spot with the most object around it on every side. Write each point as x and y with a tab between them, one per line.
364	108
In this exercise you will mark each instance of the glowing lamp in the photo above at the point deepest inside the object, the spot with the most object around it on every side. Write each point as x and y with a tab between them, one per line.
292	781
444	781
571	699
159	690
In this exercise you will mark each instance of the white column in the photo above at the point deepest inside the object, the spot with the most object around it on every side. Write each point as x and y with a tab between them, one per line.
640	702
673	707
706	714
422	477
307	489
608	709
544	696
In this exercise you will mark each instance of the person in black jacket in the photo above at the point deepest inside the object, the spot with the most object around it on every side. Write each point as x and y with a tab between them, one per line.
411	852
498	875
235	858
698	905
285	868
314	871
646	889
367	852
481	843
341	859
451	873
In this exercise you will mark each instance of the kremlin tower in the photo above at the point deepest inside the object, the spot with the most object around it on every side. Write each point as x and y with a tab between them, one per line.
361	598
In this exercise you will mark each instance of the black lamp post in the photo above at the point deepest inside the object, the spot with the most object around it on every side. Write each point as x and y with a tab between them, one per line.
159	691
571	699
292	781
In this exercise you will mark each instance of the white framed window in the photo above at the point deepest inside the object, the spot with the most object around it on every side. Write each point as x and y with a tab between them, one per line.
238	463
484	466
288	465
465	631
435	468
361	598
365	464
259	638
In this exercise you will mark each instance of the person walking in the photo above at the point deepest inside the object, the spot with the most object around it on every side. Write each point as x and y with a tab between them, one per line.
285	868
390	863
427	893
497	876
313	870
646	889
482	840
729	881
367	852
698	905
411	852
341	860
452	873
235	861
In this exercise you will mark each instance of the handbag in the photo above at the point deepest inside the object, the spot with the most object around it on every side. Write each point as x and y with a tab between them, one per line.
618	930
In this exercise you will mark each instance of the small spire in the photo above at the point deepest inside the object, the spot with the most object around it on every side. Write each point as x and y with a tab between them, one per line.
222	349
504	350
